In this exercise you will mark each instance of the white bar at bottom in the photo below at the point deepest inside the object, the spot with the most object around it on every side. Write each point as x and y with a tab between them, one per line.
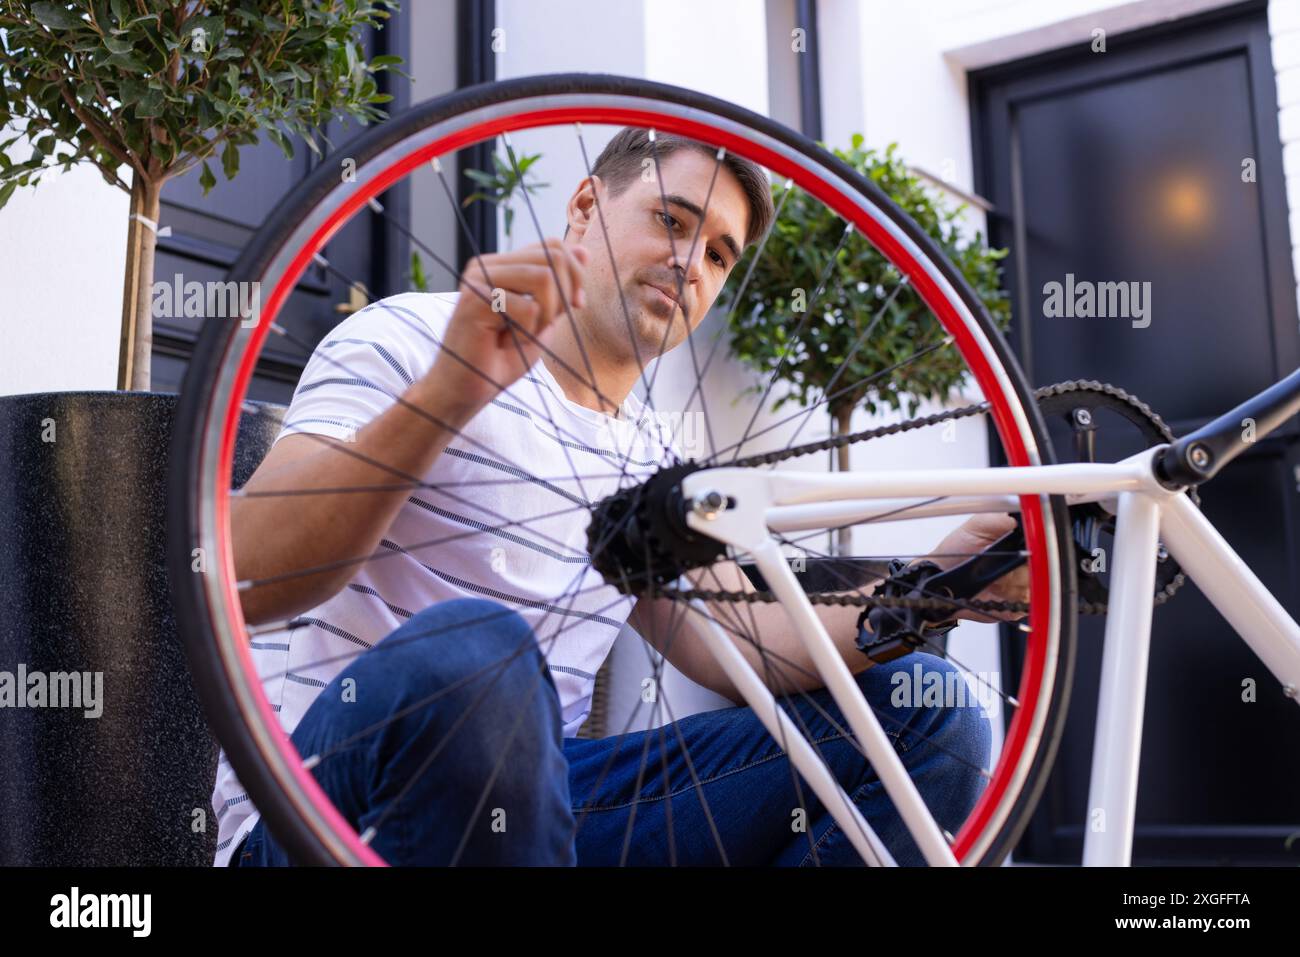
1117	746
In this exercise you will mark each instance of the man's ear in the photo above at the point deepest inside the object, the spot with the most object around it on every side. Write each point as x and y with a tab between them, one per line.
581	209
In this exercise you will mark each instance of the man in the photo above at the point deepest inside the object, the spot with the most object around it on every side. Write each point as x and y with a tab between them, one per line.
446	623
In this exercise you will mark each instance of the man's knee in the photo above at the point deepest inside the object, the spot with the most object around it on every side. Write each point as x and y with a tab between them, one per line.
458	638
947	711
476	659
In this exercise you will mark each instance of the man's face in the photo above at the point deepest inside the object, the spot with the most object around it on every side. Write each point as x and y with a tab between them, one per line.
639	235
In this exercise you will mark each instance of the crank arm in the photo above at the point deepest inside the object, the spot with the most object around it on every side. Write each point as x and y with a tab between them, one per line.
968	579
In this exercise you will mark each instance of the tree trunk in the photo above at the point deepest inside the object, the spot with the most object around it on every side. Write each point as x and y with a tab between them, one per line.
843	422
133	364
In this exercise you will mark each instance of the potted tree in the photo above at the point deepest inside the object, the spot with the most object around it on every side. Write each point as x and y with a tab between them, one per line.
145	90
859	284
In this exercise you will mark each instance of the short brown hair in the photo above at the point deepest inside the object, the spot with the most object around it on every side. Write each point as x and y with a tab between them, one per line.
621	161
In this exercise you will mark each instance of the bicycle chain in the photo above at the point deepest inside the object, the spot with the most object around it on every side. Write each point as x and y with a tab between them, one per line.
925	604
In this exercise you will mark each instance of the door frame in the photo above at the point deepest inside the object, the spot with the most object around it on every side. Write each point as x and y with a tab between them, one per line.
995	93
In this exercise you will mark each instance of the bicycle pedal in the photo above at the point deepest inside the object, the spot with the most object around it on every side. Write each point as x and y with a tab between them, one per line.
882	649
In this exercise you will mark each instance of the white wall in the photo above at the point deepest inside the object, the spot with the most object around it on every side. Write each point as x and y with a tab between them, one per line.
61	272
564	36
432	66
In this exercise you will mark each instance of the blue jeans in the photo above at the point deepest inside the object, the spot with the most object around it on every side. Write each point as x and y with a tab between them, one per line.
488	749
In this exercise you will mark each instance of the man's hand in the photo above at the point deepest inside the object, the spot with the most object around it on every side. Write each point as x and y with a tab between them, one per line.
523	286
975	535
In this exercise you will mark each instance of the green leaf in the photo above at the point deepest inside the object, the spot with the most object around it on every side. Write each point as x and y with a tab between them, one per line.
482	178
151	104
206	114
6	191
230	160
418	279
282	141
56	16
127	61
125	52
206	179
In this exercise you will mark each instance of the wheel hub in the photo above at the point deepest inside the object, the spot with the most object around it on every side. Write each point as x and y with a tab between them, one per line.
638	536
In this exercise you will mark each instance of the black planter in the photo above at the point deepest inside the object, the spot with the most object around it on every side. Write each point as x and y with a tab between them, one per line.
83	588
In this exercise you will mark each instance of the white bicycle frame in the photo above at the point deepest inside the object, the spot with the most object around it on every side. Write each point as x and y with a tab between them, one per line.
1147	514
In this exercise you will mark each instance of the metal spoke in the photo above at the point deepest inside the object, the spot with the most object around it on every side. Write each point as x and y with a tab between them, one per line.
515	330
672	246
622	299
857	344
821	282
478	258
942	652
246	584
779	672
947	340
737	298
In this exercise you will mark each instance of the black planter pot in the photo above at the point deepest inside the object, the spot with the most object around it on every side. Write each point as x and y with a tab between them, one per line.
83	588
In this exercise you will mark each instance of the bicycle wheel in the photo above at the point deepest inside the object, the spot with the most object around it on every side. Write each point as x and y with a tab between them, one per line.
208	601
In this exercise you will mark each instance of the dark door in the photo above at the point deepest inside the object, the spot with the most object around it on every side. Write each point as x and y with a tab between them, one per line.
1158	162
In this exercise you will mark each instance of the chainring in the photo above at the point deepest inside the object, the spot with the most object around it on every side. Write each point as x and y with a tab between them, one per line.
1078	406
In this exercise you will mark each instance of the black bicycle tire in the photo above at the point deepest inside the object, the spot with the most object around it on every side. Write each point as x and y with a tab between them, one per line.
190	600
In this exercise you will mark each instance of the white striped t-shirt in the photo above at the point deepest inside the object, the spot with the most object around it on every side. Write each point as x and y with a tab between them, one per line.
531	457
